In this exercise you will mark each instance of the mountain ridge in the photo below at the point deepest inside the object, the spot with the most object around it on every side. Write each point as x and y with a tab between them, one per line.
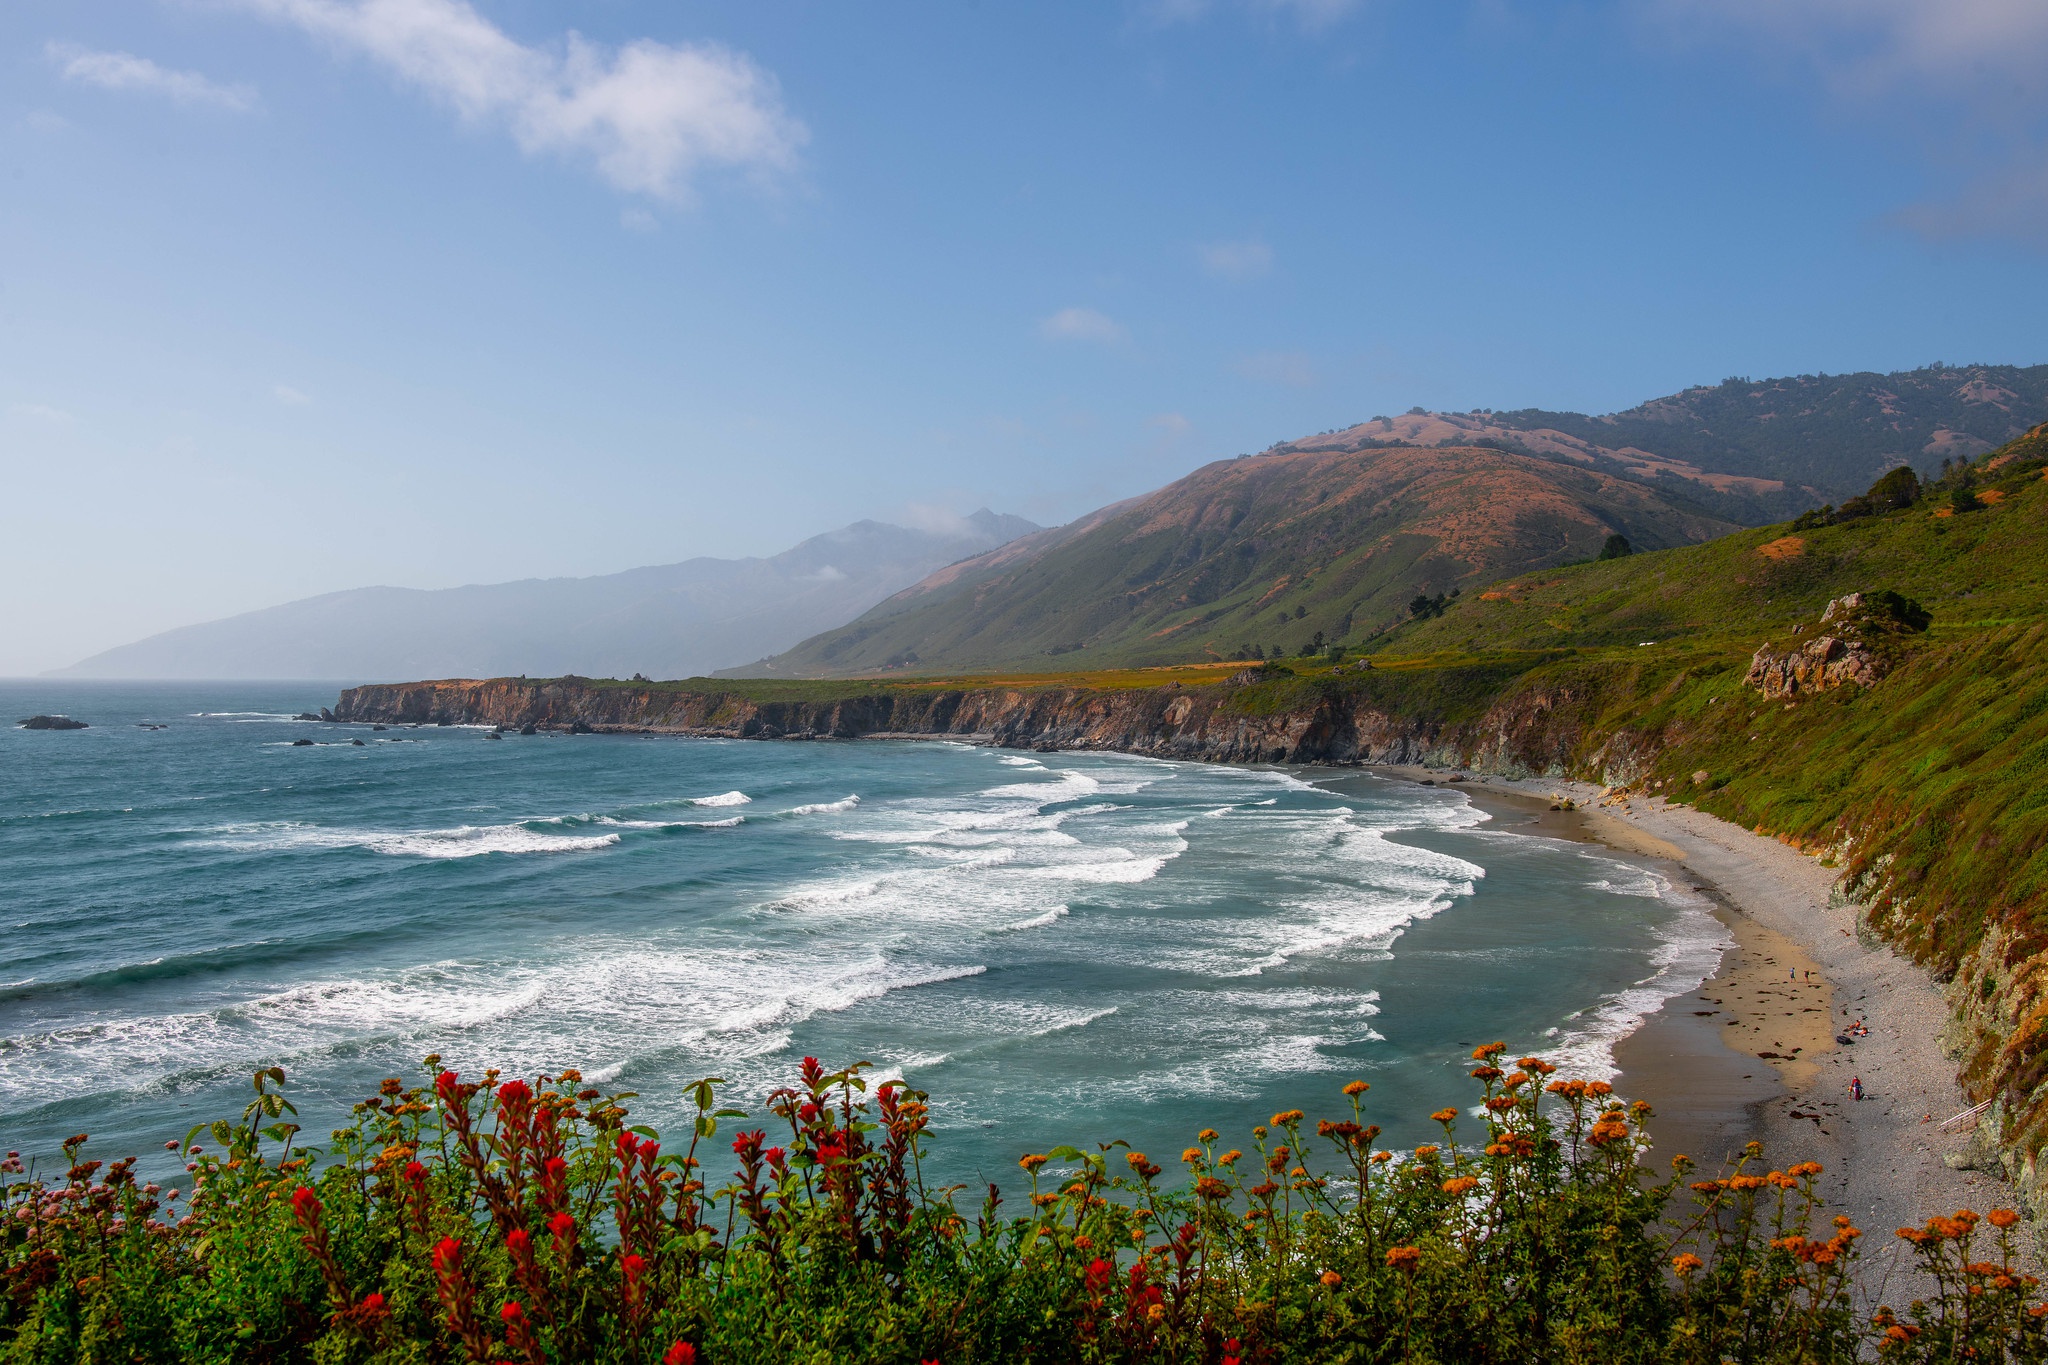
686	617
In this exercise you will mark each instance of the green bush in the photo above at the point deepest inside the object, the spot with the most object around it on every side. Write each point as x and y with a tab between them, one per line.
479	1221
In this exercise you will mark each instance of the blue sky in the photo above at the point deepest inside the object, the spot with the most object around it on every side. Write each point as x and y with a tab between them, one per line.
298	295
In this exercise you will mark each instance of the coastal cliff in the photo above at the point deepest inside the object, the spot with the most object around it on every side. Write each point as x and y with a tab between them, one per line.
1202	723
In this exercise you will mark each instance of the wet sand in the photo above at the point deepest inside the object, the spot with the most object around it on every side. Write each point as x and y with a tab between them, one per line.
1701	1061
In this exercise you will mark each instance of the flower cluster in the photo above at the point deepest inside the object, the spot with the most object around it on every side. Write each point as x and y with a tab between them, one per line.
525	1219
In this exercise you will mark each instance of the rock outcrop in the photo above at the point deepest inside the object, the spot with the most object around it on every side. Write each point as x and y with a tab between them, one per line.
52	723
1858	645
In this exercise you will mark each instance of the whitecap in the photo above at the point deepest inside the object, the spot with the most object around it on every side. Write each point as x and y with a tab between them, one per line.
733	798
825	807
463	841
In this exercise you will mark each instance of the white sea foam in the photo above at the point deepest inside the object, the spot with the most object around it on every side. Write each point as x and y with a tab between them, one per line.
1052	916
825	807
1069	785
1689	949
463	841
722	799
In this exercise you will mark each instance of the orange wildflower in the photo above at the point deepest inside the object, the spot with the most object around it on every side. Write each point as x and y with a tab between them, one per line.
1356	1088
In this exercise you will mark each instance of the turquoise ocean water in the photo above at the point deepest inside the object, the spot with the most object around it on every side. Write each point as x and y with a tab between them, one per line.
1059	947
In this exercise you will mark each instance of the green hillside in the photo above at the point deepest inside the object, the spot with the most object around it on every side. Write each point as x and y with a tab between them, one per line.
1281	553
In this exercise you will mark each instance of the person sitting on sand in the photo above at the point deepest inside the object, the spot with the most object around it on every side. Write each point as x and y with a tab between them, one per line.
1855	1087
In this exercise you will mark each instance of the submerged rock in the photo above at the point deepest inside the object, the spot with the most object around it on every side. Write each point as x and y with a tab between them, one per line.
52	723
302	744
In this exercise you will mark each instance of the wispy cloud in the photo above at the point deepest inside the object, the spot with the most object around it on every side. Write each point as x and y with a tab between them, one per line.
1313	15
41	412
1246	260
1868	45
285	393
2011	204
1081	324
127	72
650	115
1974	73
1289	369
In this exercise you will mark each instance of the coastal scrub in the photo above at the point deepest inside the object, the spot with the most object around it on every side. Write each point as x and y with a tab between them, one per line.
495	1219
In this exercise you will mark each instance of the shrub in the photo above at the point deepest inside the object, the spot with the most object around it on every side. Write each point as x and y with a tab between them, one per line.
1617	547
526	1221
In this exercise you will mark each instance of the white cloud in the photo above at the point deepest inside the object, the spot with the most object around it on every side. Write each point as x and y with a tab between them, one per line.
41	412
1973	75
1081	324
1246	260
1290	369
2012	204
1865	46
127	72
649	114
285	393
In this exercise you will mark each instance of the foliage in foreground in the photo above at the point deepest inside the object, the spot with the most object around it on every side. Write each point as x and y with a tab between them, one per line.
480	1221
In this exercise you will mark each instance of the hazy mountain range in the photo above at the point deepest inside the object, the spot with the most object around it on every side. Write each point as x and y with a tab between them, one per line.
675	620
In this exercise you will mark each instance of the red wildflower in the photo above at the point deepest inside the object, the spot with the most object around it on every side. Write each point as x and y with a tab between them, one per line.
682	1353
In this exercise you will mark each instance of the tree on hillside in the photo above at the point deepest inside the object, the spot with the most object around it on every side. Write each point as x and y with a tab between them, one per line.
1617	547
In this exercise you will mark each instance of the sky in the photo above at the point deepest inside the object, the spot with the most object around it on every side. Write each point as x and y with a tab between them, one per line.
304	295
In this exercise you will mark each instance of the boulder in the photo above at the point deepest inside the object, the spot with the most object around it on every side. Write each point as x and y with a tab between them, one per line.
1859	645
302	744
53	723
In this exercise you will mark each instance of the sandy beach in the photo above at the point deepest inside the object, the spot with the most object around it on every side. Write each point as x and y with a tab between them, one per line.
1752	1054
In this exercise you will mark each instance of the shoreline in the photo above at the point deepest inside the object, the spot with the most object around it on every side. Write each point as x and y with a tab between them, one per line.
1890	1160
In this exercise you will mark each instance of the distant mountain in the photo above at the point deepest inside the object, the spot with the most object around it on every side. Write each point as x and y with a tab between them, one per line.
1261	553
1756	450
677	620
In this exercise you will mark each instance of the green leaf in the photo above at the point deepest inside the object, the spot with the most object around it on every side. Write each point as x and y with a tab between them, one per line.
1064	1154
731	1114
223	1133
644	1131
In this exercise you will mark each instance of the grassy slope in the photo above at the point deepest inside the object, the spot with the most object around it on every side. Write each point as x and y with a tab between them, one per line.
1262	553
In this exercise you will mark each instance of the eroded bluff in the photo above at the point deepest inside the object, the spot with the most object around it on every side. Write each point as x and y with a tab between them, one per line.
1528	733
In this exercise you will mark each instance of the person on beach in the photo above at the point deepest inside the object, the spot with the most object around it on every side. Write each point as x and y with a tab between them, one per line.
1855	1087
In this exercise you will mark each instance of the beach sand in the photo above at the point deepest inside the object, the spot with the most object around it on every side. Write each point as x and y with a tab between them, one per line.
1700	1060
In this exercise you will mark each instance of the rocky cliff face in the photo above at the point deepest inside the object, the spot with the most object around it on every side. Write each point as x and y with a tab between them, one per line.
1531	732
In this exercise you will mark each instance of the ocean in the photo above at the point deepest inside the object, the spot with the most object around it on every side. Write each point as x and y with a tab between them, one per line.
1059	947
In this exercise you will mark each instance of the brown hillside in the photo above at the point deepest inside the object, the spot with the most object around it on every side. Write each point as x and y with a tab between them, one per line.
1263	552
